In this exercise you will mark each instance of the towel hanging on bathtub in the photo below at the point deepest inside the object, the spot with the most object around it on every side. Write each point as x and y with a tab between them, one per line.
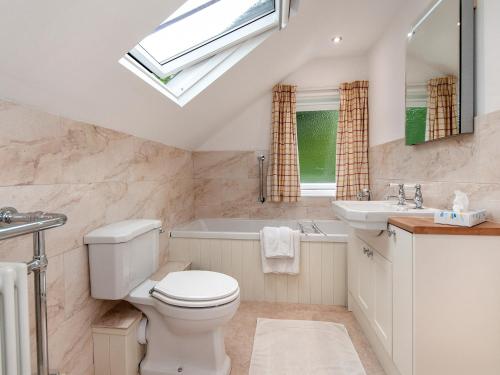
277	242
283	264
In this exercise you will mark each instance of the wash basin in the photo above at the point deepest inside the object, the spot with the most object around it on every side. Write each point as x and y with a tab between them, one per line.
374	214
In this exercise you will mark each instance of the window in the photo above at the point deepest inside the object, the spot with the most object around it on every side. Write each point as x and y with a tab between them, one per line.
416	114
201	41
317	120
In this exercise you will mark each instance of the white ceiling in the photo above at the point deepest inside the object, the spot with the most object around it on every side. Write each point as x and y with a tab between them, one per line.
62	56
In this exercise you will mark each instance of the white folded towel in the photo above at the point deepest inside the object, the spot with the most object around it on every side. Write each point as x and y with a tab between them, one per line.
283	264
277	242
270	239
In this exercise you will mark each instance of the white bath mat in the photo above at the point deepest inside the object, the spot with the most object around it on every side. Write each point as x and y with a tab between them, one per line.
303	347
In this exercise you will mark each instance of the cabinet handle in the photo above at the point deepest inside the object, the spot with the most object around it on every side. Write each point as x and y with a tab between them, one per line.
367	252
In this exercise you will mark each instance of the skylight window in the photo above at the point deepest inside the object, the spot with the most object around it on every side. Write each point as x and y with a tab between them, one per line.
202	40
190	28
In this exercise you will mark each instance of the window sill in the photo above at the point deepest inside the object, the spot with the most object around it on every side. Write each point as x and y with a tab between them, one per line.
318	190
318	193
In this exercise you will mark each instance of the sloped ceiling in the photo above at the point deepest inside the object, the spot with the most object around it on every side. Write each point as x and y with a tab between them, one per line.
62	57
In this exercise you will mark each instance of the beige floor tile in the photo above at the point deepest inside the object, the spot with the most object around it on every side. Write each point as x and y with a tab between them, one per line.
240	331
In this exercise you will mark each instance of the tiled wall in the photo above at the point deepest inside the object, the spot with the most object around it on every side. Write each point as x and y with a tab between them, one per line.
94	176
227	185
470	163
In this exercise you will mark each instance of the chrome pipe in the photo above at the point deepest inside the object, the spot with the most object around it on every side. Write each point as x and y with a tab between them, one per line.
19	224
40	276
317	229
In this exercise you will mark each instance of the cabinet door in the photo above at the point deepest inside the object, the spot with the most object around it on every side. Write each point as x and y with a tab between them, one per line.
382	300
402	354
365	285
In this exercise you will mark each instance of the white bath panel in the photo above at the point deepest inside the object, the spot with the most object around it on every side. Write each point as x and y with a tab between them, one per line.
322	278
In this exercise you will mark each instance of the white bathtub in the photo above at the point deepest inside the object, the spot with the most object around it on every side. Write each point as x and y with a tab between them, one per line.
232	246
245	229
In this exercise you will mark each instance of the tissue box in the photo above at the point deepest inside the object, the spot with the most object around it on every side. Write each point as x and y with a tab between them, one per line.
463	219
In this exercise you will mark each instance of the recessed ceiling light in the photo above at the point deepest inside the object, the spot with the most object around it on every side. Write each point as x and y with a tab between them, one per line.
337	39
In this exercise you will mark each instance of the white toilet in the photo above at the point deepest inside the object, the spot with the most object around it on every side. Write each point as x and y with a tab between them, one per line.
186	310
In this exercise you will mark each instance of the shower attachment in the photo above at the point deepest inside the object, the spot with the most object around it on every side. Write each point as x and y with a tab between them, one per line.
14	224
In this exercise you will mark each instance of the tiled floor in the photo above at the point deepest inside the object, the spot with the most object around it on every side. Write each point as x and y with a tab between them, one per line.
240	331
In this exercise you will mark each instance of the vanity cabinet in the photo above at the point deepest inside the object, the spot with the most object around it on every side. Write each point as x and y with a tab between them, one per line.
373	290
428	296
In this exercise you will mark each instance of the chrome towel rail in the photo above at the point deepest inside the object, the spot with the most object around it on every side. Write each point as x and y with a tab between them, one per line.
27	223
261	159
18	224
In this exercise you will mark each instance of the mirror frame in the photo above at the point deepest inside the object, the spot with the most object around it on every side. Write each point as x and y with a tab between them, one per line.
467	90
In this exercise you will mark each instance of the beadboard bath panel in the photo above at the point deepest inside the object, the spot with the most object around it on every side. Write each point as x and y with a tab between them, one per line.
322	277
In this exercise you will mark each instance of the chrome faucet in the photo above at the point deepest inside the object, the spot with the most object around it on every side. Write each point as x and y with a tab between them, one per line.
401	195
364	194
419	199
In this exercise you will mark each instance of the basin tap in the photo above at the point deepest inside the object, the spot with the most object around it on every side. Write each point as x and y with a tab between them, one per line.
401	195
364	194
419	199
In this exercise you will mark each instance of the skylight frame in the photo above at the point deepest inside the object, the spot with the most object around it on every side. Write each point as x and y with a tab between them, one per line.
210	72
211	47
189	79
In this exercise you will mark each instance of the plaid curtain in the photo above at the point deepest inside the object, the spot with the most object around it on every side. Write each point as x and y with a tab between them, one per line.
352	140
441	107
283	173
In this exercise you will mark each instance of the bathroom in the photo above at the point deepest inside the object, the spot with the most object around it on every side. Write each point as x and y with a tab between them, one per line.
199	147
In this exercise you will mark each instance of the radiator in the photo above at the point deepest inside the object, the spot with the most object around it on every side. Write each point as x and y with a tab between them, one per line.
14	320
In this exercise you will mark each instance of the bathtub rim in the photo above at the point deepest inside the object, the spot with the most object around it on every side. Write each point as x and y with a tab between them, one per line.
206	234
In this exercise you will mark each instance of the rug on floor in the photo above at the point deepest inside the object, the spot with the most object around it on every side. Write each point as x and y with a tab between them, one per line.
303	347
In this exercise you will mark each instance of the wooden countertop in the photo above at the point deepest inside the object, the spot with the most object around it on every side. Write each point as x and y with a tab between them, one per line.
426	225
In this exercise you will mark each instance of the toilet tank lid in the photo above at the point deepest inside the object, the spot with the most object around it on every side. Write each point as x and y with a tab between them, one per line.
121	231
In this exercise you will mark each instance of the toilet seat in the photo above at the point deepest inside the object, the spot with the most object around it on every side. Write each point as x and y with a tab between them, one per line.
196	289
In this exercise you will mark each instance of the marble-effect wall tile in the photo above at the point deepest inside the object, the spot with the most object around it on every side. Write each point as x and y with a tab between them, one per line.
466	162
95	176
227	186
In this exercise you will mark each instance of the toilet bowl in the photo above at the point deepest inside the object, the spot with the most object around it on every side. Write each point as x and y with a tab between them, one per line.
185	310
184	331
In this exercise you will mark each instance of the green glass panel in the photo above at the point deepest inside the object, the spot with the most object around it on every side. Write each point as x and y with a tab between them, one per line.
317	139
415	125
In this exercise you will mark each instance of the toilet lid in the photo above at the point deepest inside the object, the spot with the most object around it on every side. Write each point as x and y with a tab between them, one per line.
197	286
195	304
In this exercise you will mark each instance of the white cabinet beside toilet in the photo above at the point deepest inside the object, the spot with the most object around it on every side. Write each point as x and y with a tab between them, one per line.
428	297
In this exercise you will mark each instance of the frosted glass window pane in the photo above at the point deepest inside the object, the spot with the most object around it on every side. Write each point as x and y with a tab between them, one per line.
317	141
415	125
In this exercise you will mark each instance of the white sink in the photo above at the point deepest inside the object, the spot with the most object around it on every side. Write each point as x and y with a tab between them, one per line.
374	214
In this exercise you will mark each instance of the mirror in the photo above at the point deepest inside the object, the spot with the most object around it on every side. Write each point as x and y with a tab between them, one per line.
440	73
